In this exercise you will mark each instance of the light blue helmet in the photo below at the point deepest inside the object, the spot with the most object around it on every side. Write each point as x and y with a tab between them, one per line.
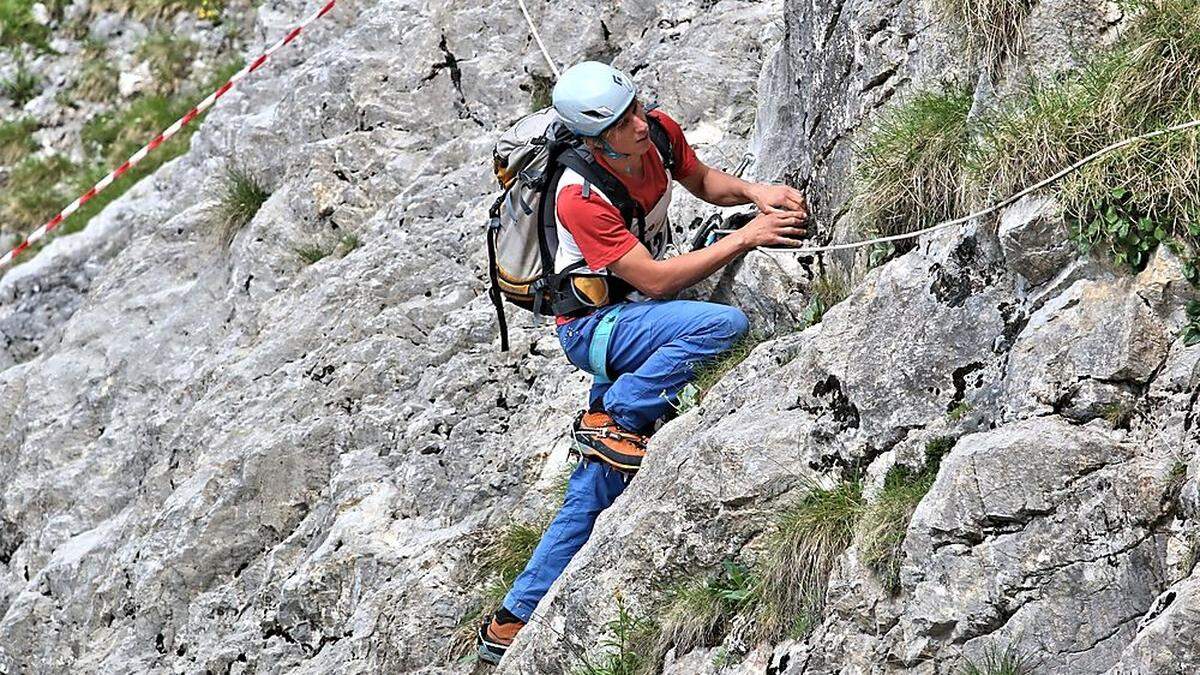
590	96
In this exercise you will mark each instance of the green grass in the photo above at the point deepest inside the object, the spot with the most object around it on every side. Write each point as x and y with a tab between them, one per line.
35	193
993	27
16	139
348	243
169	58
959	411
698	610
923	163
539	92
794	567
97	79
1007	661
17	26
709	373
885	521
311	254
241	195
1150	80
829	289
910	168
22	87
208	10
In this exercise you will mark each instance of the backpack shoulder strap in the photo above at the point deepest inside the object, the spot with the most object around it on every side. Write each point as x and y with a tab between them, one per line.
612	188
662	141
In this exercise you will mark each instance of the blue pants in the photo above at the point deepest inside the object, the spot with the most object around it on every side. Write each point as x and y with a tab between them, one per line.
651	355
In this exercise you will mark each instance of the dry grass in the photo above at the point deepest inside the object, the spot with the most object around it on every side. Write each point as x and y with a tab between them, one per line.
993	27
16	139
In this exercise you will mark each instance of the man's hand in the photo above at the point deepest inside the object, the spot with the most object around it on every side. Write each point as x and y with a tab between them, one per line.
772	198
777	228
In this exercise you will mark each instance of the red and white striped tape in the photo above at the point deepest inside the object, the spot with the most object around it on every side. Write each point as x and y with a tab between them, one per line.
164	136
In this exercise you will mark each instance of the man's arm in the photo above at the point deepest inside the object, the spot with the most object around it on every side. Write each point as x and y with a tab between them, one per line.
664	278
717	187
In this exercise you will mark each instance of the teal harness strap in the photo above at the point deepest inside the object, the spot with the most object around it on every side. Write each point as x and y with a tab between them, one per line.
598	350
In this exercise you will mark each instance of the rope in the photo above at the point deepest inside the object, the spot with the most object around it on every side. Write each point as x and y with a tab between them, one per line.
533	29
991	209
162	137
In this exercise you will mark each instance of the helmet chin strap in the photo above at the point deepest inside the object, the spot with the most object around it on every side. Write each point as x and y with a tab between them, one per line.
608	150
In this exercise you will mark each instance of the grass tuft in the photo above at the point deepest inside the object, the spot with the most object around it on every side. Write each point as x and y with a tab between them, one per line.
170	60
22	87
799	555
311	254
16	139
1007	661
828	290
993	26
885	522
18	27
97	79
698	610
709	373
910	168
241	196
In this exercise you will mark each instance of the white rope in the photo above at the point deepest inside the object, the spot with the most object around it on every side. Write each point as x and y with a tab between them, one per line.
533	29
995	207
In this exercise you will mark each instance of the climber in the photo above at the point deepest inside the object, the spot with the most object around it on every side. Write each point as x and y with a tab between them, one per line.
641	346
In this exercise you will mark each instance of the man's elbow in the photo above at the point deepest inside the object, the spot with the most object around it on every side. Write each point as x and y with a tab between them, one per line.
658	289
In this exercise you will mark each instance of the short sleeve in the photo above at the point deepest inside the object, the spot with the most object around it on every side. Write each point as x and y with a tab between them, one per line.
597	226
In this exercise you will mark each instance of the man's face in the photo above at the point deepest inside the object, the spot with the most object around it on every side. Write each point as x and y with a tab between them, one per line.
630	135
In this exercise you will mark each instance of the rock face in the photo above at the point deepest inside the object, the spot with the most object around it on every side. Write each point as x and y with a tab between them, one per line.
220	459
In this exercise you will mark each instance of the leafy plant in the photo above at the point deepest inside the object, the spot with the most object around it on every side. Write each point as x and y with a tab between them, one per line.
959	411
885	522
698	610
828	290
628	638
1129	235
1191	330
241	196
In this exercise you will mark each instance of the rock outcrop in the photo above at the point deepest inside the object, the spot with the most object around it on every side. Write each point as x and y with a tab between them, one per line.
222	459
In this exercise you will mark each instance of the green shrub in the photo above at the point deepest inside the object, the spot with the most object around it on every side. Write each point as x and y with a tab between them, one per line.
16	139
885	521
910	169
22	87
241	196
1007	661
794	567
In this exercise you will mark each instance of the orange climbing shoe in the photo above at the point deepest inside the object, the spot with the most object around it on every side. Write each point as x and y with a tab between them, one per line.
597	436
495	637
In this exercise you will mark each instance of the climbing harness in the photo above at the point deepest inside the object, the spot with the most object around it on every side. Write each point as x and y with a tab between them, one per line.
598	349
804	250
164	136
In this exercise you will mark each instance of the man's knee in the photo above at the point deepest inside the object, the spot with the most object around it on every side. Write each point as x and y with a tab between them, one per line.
730	324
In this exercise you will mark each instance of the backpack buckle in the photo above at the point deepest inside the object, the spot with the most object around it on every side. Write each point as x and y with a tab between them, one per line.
532	178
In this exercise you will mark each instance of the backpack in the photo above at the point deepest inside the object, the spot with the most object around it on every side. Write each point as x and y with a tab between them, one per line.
522	233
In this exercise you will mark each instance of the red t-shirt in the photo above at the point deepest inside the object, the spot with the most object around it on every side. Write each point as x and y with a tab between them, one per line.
597	226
